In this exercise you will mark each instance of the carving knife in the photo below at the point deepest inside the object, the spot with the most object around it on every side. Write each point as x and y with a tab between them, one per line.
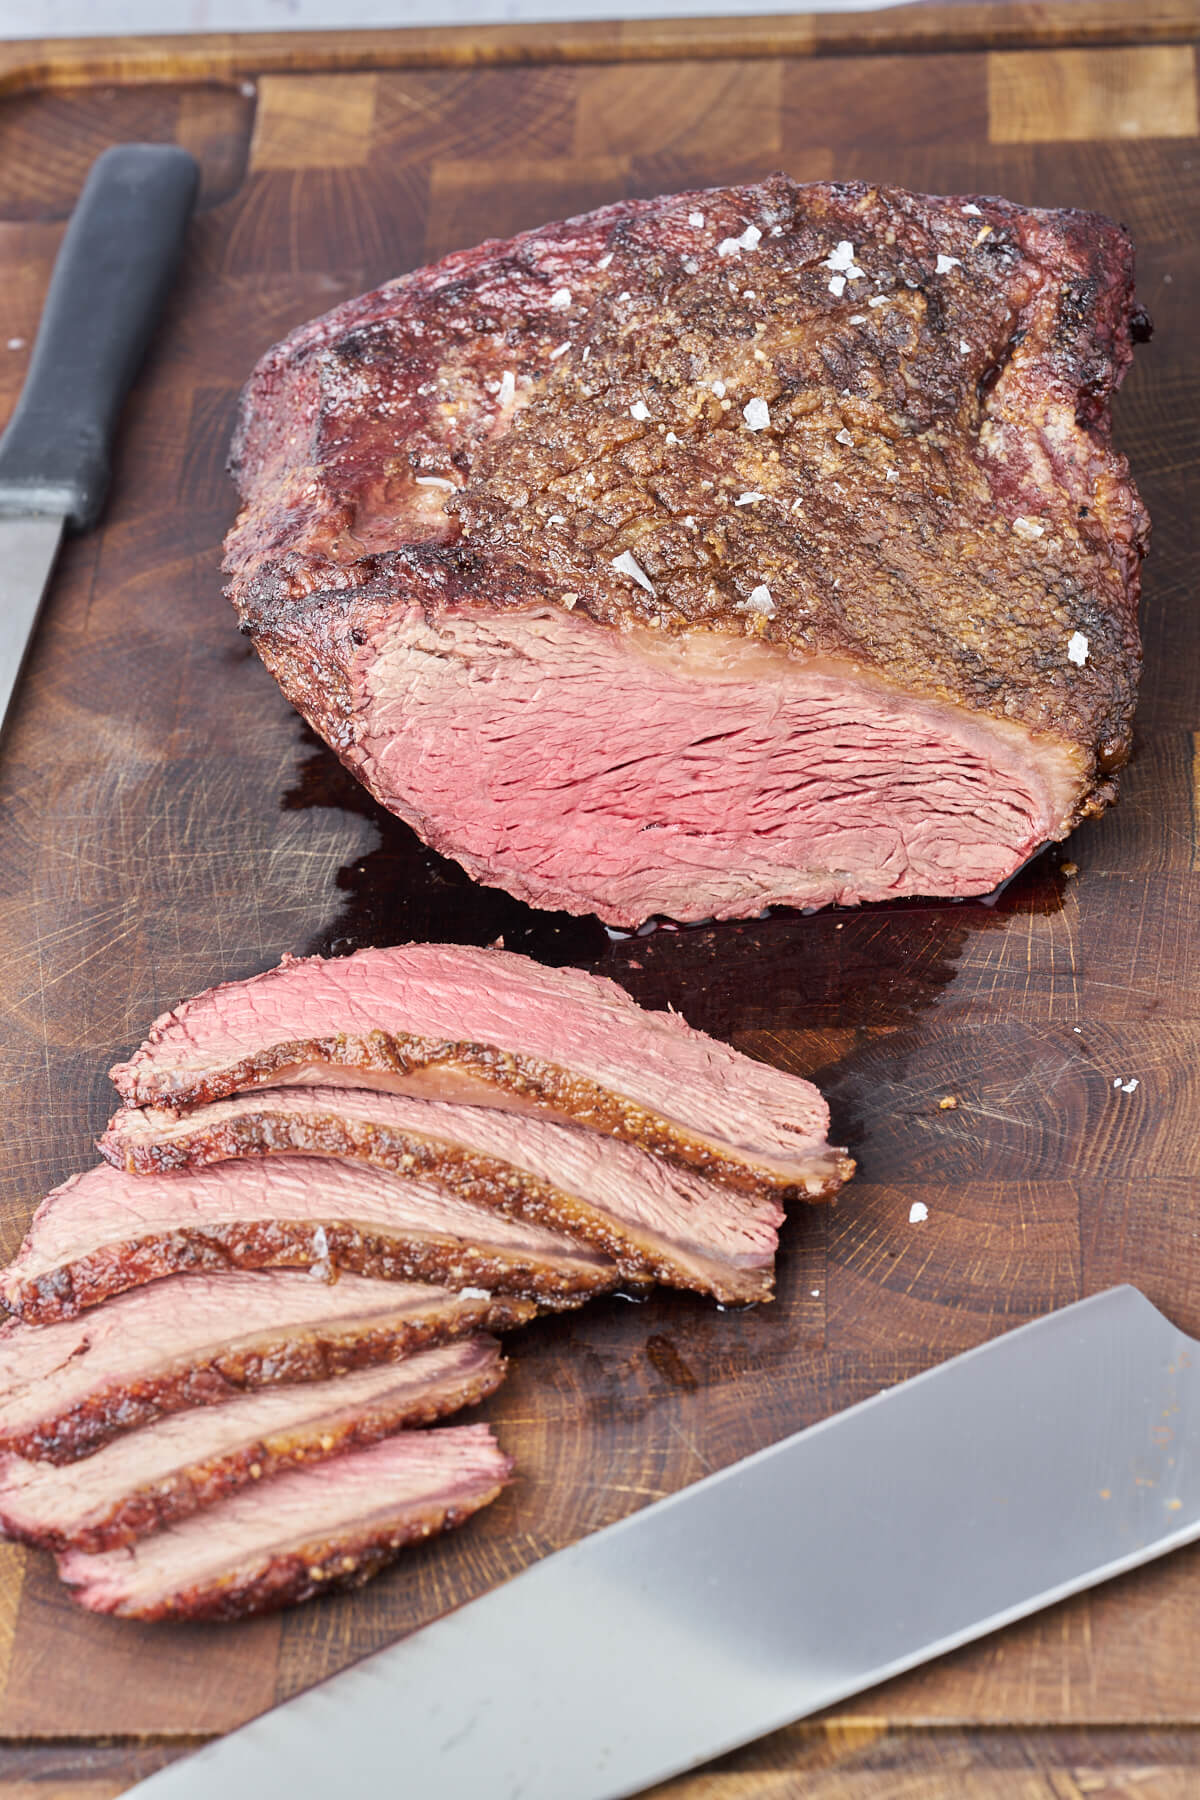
1052	1458
113	272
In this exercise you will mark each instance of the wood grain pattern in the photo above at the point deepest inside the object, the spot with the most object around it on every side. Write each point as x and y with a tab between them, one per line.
1084	96
914	29
166	821
313	122
686	109
833	1761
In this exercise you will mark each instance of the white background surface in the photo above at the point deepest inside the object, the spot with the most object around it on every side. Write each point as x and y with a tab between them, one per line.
87	18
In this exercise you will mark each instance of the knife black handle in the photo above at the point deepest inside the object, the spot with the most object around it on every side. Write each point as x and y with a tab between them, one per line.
113	273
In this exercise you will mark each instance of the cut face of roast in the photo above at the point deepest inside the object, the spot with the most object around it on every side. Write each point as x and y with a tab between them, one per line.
708	779
187	1461
329	1526
656	1220
105	1231
653	566
196	1340
450	1022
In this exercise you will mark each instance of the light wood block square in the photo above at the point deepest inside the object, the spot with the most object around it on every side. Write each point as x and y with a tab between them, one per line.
708	109
1076	96
12	1574
313	122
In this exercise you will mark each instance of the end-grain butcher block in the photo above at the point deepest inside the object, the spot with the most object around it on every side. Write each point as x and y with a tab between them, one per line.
182	1463
451	1022
763	545
303	1532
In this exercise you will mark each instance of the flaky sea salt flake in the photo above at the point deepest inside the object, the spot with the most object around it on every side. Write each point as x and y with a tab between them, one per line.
696	219
946	263
918	1212
757	414
1077	649
749	240
841	259
560	299
626	564
760	602
639	410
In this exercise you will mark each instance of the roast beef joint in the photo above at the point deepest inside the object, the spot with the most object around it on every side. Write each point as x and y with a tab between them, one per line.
757	546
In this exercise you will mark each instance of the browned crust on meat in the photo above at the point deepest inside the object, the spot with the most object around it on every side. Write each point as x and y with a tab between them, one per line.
65	1292
203	1484
982	386
297	1575
544	1086
638	1256
313	1354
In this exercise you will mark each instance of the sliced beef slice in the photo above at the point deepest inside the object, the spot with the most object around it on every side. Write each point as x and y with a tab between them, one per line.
763	545
105	1231
656	1220
330	1526
187	1461
450	1022
196	1340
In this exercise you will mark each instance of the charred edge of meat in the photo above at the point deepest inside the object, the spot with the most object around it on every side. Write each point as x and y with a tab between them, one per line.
110	1269
194	1489
287	1579
99	1417
635	1257
547	1086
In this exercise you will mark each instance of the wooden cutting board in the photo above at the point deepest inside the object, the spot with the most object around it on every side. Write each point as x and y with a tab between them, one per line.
166	822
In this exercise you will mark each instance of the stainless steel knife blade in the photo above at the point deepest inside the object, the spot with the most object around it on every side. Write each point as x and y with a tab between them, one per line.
110	281
28	548
1036	1465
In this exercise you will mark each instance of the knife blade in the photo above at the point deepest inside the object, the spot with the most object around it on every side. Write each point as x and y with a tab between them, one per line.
113	271
1012	1476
